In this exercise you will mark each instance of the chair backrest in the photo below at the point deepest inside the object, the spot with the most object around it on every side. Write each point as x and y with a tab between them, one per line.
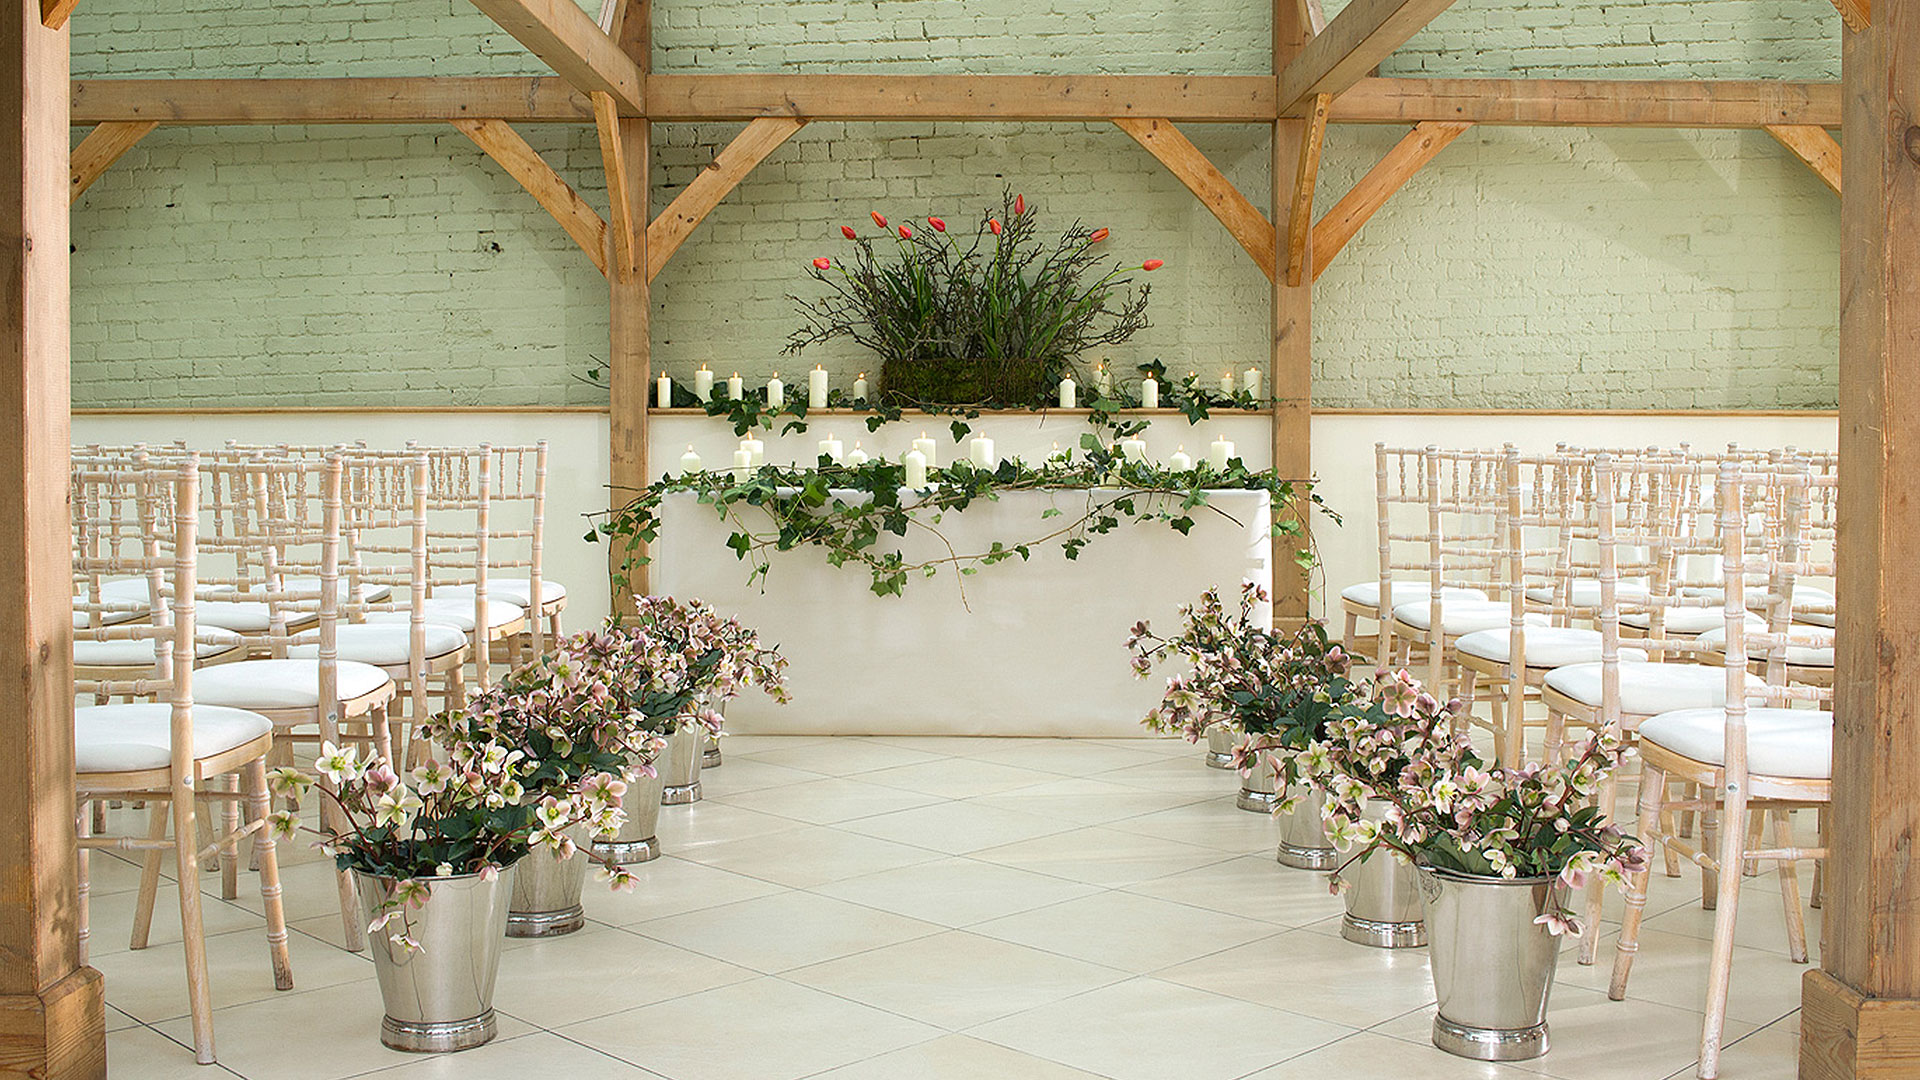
459	497
386	521
1466	499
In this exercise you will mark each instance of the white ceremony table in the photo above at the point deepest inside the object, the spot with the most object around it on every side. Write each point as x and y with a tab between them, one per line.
1035	649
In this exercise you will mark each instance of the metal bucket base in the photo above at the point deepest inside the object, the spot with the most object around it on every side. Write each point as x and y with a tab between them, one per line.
1218	760
711	759
437	1037
546	923
1260	802
1383	935
680	794
1307	858
1490	1044
627	852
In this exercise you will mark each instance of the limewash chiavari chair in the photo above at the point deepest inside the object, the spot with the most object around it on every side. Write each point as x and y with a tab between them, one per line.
1771	757
1400	502
170	752
519	479
287	521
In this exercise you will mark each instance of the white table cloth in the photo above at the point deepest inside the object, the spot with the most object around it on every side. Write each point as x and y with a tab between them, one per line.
1035	650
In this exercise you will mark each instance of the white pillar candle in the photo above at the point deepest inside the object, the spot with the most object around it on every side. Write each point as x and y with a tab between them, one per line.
916	463
857	457
929	450
1180	462
817	388
831	449
1219	454
1250	382
1226	383
756	451
1069	394
735	388
981	451
860	387
742	464
1102	381
689	461
1149	393
1133	449
776	392
703	384
663	398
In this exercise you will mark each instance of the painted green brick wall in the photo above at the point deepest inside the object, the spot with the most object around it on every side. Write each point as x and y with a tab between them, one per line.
397	265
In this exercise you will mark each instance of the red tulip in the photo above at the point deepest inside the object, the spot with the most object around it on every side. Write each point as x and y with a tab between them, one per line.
1152	264
822	263
938	225
847	231
994	226
879	220
1019	204
906	233
1098	235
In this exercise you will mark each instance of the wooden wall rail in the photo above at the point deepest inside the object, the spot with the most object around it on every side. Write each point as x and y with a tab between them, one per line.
1202	99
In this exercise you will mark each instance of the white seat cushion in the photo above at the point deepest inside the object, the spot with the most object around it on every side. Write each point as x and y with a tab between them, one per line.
140	652
1368	592
456	611
310	586
1807	646
1688	620
125	599
383	644
129	738
1646	689
1547	646
1461	616
512	590
281	684
1585	593
245	616
1780	742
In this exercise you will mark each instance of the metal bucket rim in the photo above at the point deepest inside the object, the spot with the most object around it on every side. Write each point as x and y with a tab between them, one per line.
1486	879
438	877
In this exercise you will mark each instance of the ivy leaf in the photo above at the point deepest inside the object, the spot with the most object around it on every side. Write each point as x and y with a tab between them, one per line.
960	430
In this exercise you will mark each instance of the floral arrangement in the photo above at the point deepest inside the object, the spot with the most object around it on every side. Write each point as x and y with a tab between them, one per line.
1447	808
1279	690
725	657
1001	295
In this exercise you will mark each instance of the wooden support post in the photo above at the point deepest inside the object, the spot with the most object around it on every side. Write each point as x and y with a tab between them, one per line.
505	146
1248	226
630	341
1815	147
1292	339
1305	175
1860	1014
724	173
1361	201
52	1018
101	148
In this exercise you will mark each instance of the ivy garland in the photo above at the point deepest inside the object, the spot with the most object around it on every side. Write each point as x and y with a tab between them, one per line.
848	510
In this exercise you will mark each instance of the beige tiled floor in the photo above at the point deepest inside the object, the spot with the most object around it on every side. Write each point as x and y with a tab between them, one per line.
943	909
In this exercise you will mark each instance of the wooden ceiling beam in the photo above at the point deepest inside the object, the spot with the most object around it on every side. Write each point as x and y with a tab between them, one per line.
1352	44
570	42
1244	222
1373	190
100	149
522	162
329	101
623	224
1857	14
1591	102
54	13
730	166
1179	98
1814	146
1305	176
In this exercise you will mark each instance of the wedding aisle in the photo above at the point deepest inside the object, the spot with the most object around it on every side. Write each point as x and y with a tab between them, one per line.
934	908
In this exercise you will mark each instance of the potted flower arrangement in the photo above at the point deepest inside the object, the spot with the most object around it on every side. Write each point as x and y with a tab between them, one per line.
720	658
993	318
1278	690
433	857
1498	851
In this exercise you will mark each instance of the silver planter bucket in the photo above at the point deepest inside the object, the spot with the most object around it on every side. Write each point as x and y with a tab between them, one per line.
1303	835
680	765
1384	908
1492	966
638	841
1257	788
439	998
546	895
1221	740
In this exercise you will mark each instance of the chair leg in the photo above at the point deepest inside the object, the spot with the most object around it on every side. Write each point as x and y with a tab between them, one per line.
1710	841
149	873
555	633
1596	889
1347	636
83	865
193	931
229	848
1653	784
258	799
1732	852
1790	889
1819	865
1756	831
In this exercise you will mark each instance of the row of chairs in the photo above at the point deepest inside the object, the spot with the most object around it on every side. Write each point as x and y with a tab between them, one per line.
233	603
1675	599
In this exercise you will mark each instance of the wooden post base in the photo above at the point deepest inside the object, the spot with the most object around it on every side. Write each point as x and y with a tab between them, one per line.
1846	1035
60	1034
